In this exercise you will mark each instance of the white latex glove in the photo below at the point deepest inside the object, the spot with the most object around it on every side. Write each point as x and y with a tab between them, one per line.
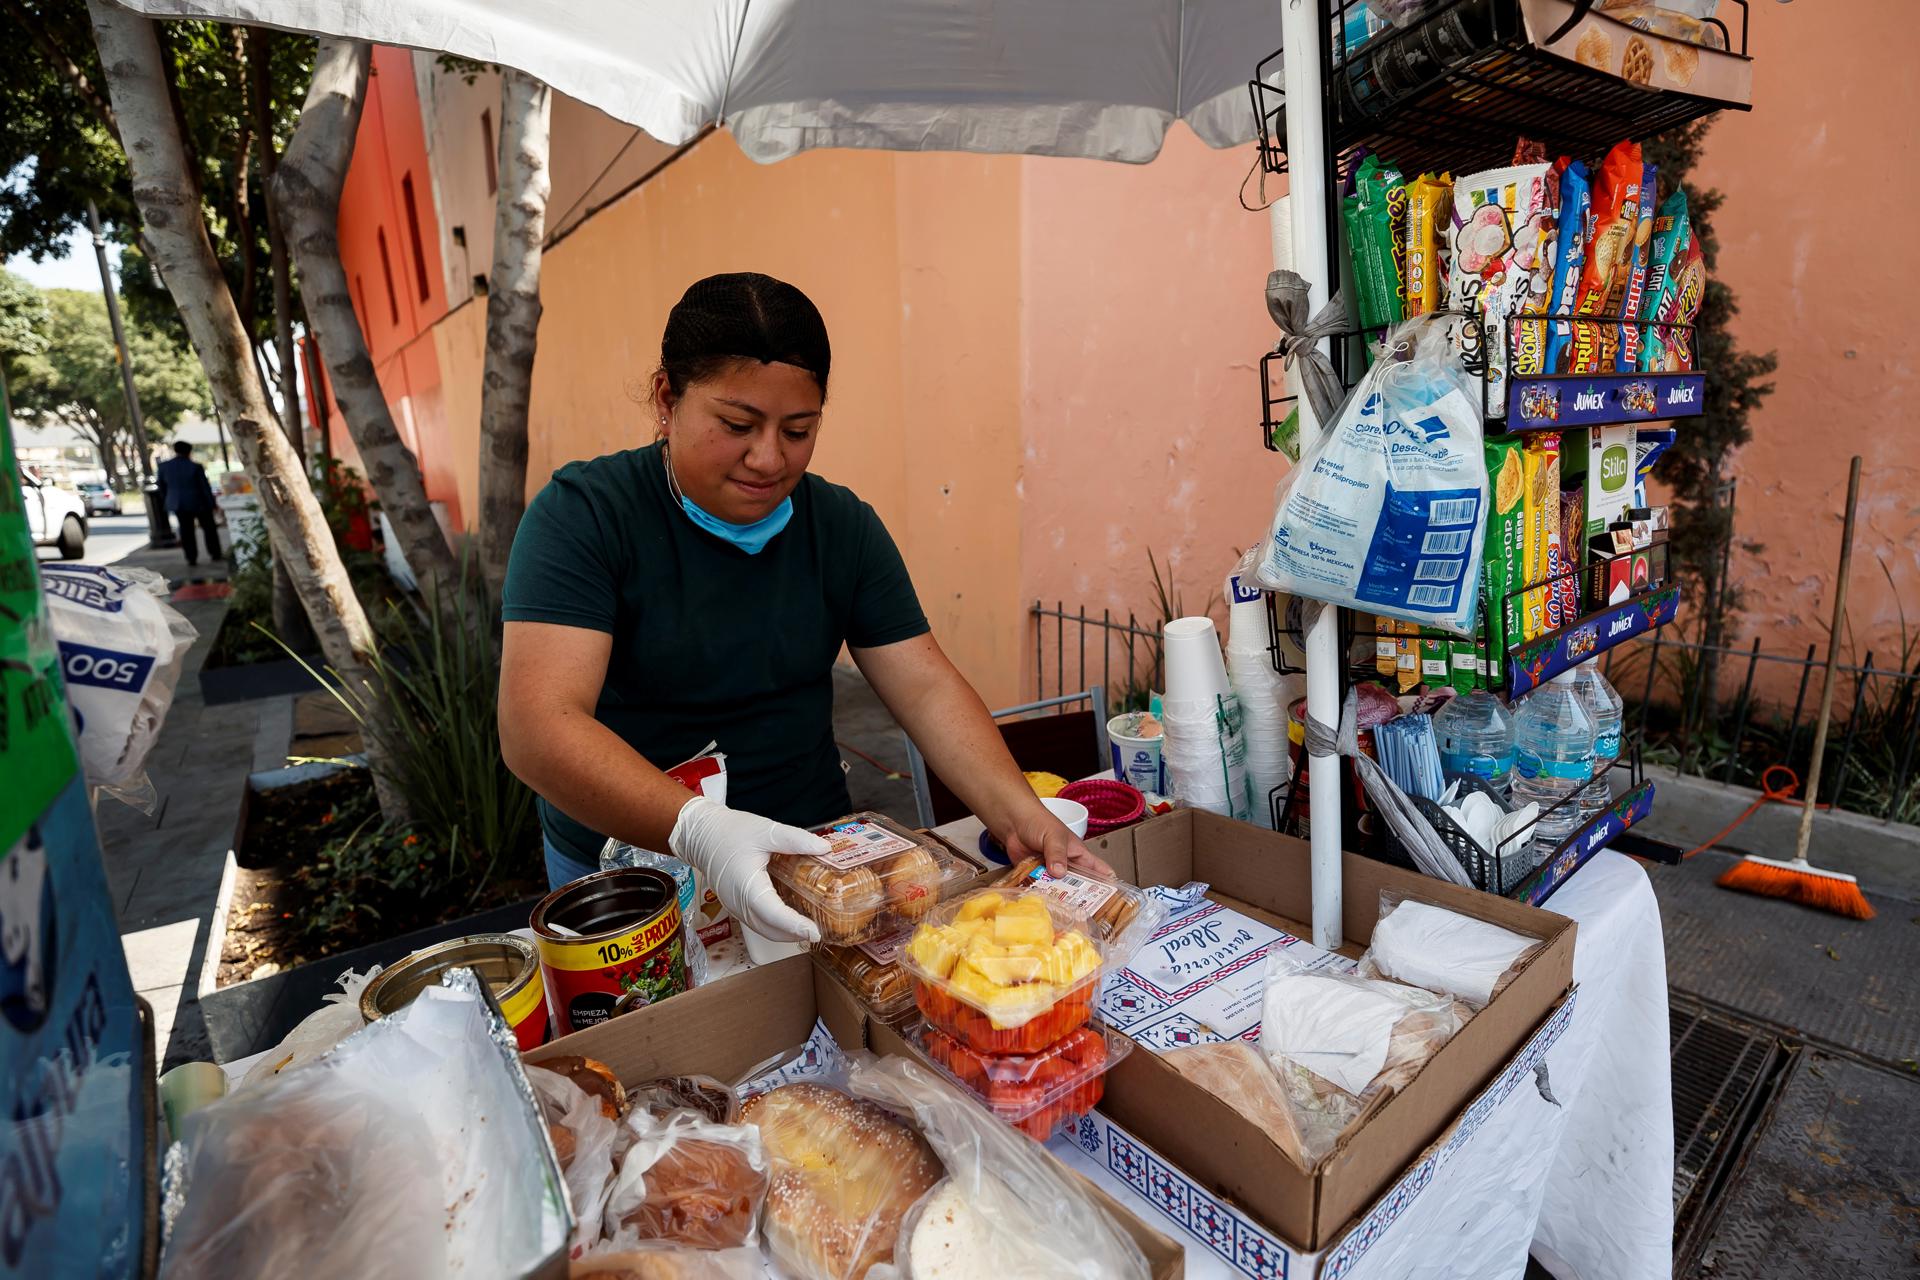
730	849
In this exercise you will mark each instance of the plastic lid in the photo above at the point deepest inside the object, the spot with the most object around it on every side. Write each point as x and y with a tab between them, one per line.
879	878
873	973
1011	953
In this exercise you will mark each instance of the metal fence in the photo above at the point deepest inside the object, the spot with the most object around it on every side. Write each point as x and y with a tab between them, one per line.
1705	709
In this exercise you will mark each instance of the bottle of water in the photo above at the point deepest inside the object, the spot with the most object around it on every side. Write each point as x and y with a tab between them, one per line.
1602	705
1553	757
1476	736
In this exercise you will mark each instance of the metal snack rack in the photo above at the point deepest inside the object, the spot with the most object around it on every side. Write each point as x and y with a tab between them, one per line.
1453	90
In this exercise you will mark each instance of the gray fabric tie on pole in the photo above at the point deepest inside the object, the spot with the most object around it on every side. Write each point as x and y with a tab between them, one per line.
1300	338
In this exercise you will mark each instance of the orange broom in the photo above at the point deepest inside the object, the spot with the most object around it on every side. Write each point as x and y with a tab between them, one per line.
1798	880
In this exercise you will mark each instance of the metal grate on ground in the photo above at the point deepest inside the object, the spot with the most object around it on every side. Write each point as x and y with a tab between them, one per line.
1723	1074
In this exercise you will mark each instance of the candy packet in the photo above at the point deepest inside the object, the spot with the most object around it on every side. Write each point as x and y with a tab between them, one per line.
1666	224
1372	239
1497	238
1615	221
1429	205
1623	266
1505	540
1670	348
1628	357
1570	258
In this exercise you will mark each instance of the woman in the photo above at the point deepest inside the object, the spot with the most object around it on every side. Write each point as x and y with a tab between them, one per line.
699	590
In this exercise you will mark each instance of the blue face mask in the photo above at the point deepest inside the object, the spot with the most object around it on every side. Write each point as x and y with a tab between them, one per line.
750	538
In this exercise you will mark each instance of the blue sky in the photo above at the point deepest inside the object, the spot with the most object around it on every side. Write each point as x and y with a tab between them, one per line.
77	270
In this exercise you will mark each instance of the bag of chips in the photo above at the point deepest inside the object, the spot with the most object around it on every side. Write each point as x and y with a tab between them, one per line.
1616	219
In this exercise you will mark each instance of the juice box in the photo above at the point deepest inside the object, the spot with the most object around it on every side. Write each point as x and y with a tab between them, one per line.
1407	656
1436	658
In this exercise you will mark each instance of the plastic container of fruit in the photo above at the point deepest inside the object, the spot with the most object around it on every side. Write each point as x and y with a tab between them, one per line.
879	878
1037	1093
872	972
1004	970
1122	916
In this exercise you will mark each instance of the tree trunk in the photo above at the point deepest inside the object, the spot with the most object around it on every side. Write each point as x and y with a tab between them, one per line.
307	189
513	317
176	230
259	51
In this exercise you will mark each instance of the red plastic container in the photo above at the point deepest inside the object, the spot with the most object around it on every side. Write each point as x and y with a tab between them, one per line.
1036	1093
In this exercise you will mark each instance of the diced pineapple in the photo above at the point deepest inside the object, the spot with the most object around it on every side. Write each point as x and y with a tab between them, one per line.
978	907
1031	904
1010	1007
935	949
1015	928
1007	971
970	984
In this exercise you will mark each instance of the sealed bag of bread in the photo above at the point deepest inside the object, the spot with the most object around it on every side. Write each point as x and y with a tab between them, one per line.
844	1173
684	1180
670	1264
582	1126
1005	1209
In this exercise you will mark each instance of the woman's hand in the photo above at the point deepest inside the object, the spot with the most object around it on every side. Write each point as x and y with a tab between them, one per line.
731	849
1036	833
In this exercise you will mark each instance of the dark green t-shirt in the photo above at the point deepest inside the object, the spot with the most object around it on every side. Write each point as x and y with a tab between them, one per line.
711	644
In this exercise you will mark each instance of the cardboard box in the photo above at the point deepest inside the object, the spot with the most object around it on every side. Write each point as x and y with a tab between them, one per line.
1603	459
1265	875
727	1028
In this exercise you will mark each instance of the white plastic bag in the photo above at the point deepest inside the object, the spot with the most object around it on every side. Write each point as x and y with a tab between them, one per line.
1386	512
121	650
410	1150
687	1182
1038	1224
1440	950
337	1018
586	1151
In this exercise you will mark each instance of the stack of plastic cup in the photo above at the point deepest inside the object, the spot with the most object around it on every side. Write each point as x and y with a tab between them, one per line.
1264	693
1204	749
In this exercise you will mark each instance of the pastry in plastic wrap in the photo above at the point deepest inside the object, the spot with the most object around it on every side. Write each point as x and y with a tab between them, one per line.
912	879
842	903
595	1078
702	1095
877	877
583	1136
1305	1127
686	1181
844	1175
671	1264
872	972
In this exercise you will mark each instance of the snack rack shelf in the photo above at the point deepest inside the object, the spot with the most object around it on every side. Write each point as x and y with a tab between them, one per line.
1451	91
1530	402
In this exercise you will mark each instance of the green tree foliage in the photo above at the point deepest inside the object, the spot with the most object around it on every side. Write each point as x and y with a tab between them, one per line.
75	379
58	146
1698	464
23	324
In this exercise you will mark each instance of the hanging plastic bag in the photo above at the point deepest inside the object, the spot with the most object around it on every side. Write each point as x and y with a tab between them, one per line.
121	649
1034	1223
1386	511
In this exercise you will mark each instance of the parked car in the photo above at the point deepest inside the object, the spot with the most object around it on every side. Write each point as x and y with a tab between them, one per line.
98	499
55	517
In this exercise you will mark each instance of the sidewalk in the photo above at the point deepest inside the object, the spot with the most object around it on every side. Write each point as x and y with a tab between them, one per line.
164	869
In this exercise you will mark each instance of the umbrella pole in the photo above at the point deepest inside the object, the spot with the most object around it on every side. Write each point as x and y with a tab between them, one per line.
1298	225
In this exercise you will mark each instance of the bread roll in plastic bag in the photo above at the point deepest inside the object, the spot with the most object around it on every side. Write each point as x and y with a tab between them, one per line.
121	649
671	1264
1386	511
1443	951
583	1138
1037	1224
684	1180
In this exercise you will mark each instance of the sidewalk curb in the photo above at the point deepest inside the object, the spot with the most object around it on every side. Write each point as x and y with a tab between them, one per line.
217	929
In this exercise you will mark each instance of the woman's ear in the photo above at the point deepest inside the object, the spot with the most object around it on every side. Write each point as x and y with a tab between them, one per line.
663	400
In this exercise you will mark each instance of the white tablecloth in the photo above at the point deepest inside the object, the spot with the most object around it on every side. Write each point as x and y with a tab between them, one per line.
1586	1175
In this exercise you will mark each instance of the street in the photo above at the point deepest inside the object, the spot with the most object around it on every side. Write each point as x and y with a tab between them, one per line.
110	539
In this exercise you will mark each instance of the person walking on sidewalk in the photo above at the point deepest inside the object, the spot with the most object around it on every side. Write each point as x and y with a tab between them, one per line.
188	498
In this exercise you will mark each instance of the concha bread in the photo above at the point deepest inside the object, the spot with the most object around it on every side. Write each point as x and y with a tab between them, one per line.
844	1174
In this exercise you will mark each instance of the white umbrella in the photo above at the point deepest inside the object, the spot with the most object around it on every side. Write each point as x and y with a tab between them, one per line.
1100	79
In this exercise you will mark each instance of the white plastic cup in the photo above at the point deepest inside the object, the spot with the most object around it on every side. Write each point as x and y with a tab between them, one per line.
1071	812
1137	761
1246	616
1195	670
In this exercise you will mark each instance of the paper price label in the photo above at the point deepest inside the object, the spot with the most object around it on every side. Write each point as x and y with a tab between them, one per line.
1081	895
886	950
858	843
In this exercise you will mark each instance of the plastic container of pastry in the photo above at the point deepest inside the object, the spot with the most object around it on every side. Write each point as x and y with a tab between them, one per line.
872	972
879	878
1037	1093
1004	970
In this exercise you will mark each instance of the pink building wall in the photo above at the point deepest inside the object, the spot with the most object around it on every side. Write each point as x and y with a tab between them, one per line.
1818	180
